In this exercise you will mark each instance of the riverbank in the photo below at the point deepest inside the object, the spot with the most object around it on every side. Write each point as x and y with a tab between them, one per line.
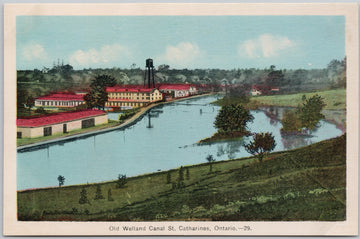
112	125
305	184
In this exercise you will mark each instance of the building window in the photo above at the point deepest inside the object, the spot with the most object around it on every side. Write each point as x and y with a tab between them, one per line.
87	123
47	131
64	128
19	135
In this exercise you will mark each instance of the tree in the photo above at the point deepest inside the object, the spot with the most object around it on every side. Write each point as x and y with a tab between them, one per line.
210	160
110	198
181	174
310	111
98	193
261	143
103	81
168	178
187	174
232	118
61	180
29	102
121	180
83	197
274	78
98	96
290	121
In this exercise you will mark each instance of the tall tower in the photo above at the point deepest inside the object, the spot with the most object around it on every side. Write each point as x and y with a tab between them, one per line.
149	73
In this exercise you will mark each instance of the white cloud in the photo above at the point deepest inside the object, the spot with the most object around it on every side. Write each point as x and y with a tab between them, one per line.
182	55
92	57
265	45
34	51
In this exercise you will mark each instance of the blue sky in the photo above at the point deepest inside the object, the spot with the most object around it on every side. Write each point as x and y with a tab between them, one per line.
225	42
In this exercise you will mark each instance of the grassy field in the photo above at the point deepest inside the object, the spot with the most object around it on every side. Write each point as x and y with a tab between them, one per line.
25	141
303	184
334	99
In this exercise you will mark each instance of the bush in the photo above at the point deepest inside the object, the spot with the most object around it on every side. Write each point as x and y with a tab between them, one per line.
83	197
40	110
121	181
98	194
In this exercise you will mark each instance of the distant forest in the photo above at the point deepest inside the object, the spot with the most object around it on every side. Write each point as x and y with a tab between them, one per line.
34	83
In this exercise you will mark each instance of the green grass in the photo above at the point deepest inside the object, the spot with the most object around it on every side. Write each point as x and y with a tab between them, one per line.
25	141
334	99
303	184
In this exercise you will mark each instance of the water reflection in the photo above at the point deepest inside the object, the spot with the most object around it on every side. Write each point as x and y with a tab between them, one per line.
230	149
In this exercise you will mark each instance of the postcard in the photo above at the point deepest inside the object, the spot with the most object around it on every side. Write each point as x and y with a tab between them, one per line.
181	119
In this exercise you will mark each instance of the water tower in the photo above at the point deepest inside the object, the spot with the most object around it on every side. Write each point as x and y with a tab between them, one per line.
149	73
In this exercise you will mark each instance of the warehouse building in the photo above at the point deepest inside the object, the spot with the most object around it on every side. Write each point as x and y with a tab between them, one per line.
64	122
60	100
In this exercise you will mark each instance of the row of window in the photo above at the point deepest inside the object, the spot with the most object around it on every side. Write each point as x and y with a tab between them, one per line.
134	104
59	103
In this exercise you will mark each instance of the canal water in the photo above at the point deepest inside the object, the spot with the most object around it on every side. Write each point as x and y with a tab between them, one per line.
164	138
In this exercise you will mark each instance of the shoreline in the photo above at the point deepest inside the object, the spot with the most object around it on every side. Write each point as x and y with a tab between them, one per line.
127	123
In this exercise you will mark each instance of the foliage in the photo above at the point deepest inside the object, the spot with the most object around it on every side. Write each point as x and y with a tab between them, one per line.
30	102
40	110
310	111
210	160
127	114
98	193
110	198
261	143
103	81
232	118
275	77
83	197
121	181
168	178
181	174
187	174
290	121
98	96
61	180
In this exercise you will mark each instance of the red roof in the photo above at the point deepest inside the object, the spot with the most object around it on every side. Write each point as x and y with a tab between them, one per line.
57	118
62	97
128	88
174	86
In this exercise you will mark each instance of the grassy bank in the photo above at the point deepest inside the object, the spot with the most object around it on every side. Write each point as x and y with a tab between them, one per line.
303	184
334	99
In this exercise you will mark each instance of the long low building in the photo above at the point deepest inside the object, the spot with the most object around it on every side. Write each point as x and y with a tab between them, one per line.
45	125
178	90
131	96
60	100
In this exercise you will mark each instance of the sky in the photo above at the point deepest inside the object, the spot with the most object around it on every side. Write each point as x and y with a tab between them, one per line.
224	42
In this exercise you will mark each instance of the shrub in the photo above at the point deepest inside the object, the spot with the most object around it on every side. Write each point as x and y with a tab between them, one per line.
98	193
121	181
83	197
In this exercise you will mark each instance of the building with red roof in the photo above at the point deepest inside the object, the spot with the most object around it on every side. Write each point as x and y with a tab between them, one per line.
178	90
60	100
131	96
45	125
